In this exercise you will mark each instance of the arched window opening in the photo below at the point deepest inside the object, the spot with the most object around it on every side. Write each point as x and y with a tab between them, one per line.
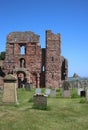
23	50
22	63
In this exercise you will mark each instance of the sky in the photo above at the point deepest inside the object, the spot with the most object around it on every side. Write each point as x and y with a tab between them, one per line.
67	17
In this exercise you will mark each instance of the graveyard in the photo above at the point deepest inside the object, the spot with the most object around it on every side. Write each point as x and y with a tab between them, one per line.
35	90
61	113
43	65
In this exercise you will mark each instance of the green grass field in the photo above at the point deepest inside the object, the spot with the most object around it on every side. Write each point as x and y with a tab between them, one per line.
61	114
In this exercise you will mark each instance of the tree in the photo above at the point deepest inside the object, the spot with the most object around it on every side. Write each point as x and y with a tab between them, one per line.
2	55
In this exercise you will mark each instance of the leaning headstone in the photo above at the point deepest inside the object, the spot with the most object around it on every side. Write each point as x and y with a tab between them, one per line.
38	91
66	91
10	93
53	93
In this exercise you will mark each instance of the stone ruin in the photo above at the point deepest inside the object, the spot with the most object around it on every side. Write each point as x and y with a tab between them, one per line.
41	67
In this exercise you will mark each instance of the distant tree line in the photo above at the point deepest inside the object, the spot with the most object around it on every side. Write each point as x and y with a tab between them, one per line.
2	55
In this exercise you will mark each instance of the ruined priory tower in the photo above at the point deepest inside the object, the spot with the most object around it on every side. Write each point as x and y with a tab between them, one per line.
42	67
53	59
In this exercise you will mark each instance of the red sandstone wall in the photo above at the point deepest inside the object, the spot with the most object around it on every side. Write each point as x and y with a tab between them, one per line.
36	58
32	56
53	60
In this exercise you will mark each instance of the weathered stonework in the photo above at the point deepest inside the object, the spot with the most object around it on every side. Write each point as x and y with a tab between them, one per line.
53	59
40	100
42	67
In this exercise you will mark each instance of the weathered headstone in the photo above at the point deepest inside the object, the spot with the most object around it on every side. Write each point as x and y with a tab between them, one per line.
53	93
66	91
10	93
27	86
40	101
47	91
38	91
87	94
81	88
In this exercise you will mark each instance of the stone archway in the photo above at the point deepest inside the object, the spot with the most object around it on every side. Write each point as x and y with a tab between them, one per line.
22	80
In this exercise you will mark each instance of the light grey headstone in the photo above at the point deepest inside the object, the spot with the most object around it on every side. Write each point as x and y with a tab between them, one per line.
47	91
87	94
66	93
38	91
53	93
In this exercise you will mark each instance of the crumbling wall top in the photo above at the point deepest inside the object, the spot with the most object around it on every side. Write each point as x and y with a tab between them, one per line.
22	37
51	36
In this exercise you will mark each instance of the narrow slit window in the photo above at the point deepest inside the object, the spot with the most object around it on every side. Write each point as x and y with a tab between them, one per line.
52	76
52	59
43	68
22	63
28	38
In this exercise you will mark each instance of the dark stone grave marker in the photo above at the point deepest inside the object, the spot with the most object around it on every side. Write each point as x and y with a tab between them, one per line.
27	86
66	91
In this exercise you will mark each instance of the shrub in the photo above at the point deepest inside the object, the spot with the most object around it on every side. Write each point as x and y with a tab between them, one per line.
74	93
59	92
31	99
83	100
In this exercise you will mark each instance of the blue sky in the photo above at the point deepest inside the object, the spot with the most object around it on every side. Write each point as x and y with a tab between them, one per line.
67	17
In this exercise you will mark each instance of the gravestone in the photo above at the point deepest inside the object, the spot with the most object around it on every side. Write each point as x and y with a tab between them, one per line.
87	94
80	88
27	86
53	93
38	91
10	93
47	91
66	91
40	101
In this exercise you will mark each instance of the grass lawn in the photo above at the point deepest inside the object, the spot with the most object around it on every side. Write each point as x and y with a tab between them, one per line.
61	114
